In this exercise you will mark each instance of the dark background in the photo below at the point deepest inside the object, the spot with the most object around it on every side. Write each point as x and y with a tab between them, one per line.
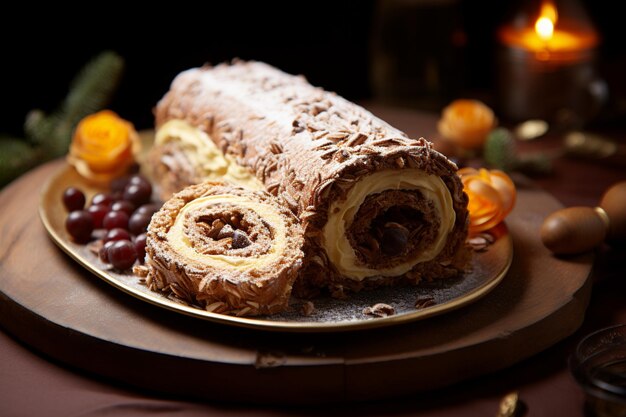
334	43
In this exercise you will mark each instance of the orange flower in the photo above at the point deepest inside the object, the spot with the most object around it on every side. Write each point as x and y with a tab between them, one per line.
103	147
491	197
466	123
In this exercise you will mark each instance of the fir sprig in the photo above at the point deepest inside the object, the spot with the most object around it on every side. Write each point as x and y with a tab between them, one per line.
500	152
49	136
90	91
16	157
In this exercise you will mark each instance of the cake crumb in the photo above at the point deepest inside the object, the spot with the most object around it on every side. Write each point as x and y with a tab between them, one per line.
480	242
95	246
140	270
379	310
307	308
424	302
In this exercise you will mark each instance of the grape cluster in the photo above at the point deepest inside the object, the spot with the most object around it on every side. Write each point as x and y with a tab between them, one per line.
124	213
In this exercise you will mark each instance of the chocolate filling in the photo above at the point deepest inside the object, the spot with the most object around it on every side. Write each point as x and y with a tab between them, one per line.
393	227
223	229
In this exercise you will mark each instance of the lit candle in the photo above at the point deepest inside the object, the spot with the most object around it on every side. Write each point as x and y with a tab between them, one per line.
548	41
546	68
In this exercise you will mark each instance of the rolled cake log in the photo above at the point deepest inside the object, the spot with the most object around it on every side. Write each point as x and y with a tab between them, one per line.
225	248
376	207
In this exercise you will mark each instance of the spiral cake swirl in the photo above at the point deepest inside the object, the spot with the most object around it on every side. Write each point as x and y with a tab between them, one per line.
225	248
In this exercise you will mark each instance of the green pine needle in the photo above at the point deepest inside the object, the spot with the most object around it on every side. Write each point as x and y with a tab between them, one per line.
93	87
38	127
499	150
90	91
16	157
49	136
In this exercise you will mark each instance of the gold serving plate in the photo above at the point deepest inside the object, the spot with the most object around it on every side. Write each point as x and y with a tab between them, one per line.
488	269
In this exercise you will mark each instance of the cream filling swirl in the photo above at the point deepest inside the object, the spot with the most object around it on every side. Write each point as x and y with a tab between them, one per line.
181	244
209	162
341	214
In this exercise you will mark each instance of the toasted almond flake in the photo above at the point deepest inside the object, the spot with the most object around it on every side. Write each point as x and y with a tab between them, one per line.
379	310
424	302
307	308
276	148
356	139
243	311
214	307
141	271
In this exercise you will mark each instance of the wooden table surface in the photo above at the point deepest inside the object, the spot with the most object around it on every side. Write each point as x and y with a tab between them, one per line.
30	382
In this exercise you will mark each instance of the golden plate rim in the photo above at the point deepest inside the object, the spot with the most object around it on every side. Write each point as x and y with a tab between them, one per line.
255	323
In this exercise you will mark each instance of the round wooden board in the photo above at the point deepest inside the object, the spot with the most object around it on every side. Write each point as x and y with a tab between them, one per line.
51	303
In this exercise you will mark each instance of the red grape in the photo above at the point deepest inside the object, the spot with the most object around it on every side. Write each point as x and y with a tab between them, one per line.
118	184
139	179
122	254
124	211
79	225
103	253
138	223
138	193
98	211
140	247
115	219
149	208
73	199
102	199
123	205
116	234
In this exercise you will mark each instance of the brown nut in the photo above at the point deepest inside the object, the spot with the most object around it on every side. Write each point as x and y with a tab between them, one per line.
574	230
614	204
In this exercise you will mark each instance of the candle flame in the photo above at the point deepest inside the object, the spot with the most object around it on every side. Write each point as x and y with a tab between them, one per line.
546	21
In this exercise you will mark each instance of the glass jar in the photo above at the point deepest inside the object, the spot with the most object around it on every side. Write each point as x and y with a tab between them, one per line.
599	366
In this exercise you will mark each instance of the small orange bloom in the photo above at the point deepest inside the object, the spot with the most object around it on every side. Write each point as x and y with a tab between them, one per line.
491	197
466	123
103	146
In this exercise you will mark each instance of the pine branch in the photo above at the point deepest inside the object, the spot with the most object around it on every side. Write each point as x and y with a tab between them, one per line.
49	136
16	157
500	152
90	91
38	127
93	87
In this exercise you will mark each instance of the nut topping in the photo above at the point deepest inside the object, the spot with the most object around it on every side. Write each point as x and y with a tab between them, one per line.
226	231
240	240
424	302
379	310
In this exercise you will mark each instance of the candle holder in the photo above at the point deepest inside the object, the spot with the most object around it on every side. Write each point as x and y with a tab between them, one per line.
546	65
599	366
